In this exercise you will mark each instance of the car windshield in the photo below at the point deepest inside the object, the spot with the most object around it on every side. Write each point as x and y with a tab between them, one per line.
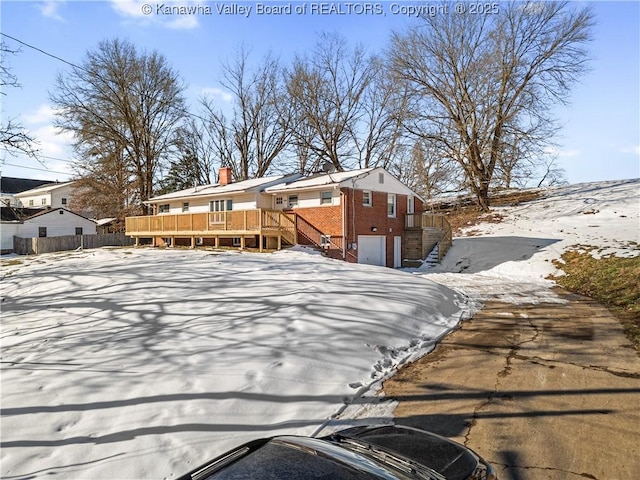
277	460
447	458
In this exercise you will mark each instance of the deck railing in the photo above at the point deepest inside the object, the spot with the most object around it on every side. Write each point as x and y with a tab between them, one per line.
236	221
419	221
426	220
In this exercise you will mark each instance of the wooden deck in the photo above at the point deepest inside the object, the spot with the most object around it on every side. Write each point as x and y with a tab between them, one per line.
270	224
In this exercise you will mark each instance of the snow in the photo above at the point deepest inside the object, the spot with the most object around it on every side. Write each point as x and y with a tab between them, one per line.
144	363
511	260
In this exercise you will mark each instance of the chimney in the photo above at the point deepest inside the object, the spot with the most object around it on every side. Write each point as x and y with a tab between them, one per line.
224	177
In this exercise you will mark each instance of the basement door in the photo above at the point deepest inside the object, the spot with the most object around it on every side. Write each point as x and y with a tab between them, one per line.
372	250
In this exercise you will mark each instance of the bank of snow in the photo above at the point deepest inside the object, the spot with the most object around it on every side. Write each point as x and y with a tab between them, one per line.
510	260
144	363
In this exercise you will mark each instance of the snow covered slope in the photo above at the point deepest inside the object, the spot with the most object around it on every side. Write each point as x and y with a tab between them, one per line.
510	260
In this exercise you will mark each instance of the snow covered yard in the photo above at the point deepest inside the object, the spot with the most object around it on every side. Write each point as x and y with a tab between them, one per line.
510	260
123	363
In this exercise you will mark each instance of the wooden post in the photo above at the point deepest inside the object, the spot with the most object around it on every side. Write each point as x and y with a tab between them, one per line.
261	240
193	242
279	241
242	242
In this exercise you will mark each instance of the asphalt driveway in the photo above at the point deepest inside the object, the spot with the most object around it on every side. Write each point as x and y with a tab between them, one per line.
543	391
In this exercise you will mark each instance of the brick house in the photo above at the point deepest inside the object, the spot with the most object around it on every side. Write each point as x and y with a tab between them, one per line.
359	216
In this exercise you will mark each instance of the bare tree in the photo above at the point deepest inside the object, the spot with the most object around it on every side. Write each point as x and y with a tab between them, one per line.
553	175
483	81
120	96
258	128
378	135
327	89
105	184
429	172
196	161
13	136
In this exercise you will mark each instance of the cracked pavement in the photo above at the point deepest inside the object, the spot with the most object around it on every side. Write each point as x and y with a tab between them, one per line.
542	391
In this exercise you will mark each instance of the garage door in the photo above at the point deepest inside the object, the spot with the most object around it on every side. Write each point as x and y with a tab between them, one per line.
372	250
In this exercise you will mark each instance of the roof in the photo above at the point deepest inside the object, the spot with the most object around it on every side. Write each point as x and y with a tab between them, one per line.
12	185
217	189
51	210
104	221
44	189
319	180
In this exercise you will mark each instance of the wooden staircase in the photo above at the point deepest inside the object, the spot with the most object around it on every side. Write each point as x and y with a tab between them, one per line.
427	238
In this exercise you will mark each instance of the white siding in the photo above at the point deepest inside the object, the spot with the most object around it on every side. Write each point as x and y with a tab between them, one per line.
7	231
244	202
52	198
371	181
58	224
201	205
312	198
59	194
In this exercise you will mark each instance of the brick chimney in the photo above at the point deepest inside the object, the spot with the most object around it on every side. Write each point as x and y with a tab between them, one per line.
224	176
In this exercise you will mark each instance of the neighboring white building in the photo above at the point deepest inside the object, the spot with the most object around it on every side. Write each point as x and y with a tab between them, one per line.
53	195
49	223
11	186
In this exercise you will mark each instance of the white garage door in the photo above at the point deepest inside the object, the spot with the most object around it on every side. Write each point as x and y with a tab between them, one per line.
372	250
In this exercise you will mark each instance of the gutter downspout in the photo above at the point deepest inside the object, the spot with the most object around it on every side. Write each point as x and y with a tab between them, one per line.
343	201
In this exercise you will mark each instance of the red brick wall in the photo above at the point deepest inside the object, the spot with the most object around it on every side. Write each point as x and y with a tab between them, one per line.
327	219
361	219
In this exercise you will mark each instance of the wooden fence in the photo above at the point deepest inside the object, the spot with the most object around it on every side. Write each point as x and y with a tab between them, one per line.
35	246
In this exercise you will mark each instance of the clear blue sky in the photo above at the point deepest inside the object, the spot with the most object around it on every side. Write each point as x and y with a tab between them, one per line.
600	139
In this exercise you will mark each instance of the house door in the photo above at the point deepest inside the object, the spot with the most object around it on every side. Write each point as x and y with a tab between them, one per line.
397	252
372	250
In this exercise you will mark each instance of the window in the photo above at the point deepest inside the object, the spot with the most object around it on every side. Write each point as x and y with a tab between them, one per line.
78	230
381	178
64	201
220	205
31	203
293	201
44	200
237	242
391	205
325	198
164	208
185	206
279	200
325	241
366	198
42	232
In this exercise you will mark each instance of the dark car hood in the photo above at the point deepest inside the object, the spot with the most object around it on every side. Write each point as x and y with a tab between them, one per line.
433	451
